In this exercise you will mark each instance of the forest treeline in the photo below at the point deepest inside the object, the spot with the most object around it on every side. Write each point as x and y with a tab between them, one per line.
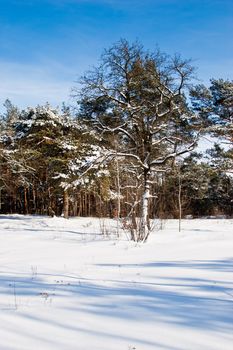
127	149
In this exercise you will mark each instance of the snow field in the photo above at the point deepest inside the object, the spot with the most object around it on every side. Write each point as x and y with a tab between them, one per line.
65	286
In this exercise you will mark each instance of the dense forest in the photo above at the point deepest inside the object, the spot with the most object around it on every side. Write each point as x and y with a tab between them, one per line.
127	148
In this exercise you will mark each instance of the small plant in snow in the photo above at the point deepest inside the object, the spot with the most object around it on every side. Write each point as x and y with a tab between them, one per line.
34	271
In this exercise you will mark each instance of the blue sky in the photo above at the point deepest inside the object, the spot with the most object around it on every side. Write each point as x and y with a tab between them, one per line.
46	44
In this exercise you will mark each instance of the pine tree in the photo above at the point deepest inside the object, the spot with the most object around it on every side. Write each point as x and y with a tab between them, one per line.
139	97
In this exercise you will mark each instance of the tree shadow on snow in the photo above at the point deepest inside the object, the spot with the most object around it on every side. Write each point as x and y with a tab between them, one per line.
189	302
224	265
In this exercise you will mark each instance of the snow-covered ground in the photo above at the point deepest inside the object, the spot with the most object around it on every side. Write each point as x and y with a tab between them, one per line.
65	287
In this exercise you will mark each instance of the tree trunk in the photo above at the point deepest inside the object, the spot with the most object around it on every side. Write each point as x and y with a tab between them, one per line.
144	225
66	204
180	205
34	200
25	201
118	199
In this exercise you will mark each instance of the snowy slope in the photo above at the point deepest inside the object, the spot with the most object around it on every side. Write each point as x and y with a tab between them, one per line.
65	287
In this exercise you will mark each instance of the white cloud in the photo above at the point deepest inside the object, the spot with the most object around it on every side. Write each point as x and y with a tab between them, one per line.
27	85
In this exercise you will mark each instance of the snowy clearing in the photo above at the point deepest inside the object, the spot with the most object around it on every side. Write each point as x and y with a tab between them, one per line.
63	286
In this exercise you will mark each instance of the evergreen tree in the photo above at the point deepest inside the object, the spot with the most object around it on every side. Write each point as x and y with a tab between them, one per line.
215	107
139	97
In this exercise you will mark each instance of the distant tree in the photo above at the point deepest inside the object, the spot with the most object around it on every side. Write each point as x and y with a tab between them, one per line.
52	140
220	158
215	107
206	189
215	104
10	116
14	170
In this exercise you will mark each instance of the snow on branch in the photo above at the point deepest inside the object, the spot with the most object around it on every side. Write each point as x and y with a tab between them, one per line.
163	160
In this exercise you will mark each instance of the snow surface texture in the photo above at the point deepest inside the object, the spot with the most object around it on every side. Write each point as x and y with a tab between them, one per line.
64	286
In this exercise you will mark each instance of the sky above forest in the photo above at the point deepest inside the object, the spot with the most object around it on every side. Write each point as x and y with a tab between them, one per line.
45	45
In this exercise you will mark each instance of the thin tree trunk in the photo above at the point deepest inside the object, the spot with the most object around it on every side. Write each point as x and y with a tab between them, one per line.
118	199
80	204
179	202
66	204
34	199
83	204
75	213
25	201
